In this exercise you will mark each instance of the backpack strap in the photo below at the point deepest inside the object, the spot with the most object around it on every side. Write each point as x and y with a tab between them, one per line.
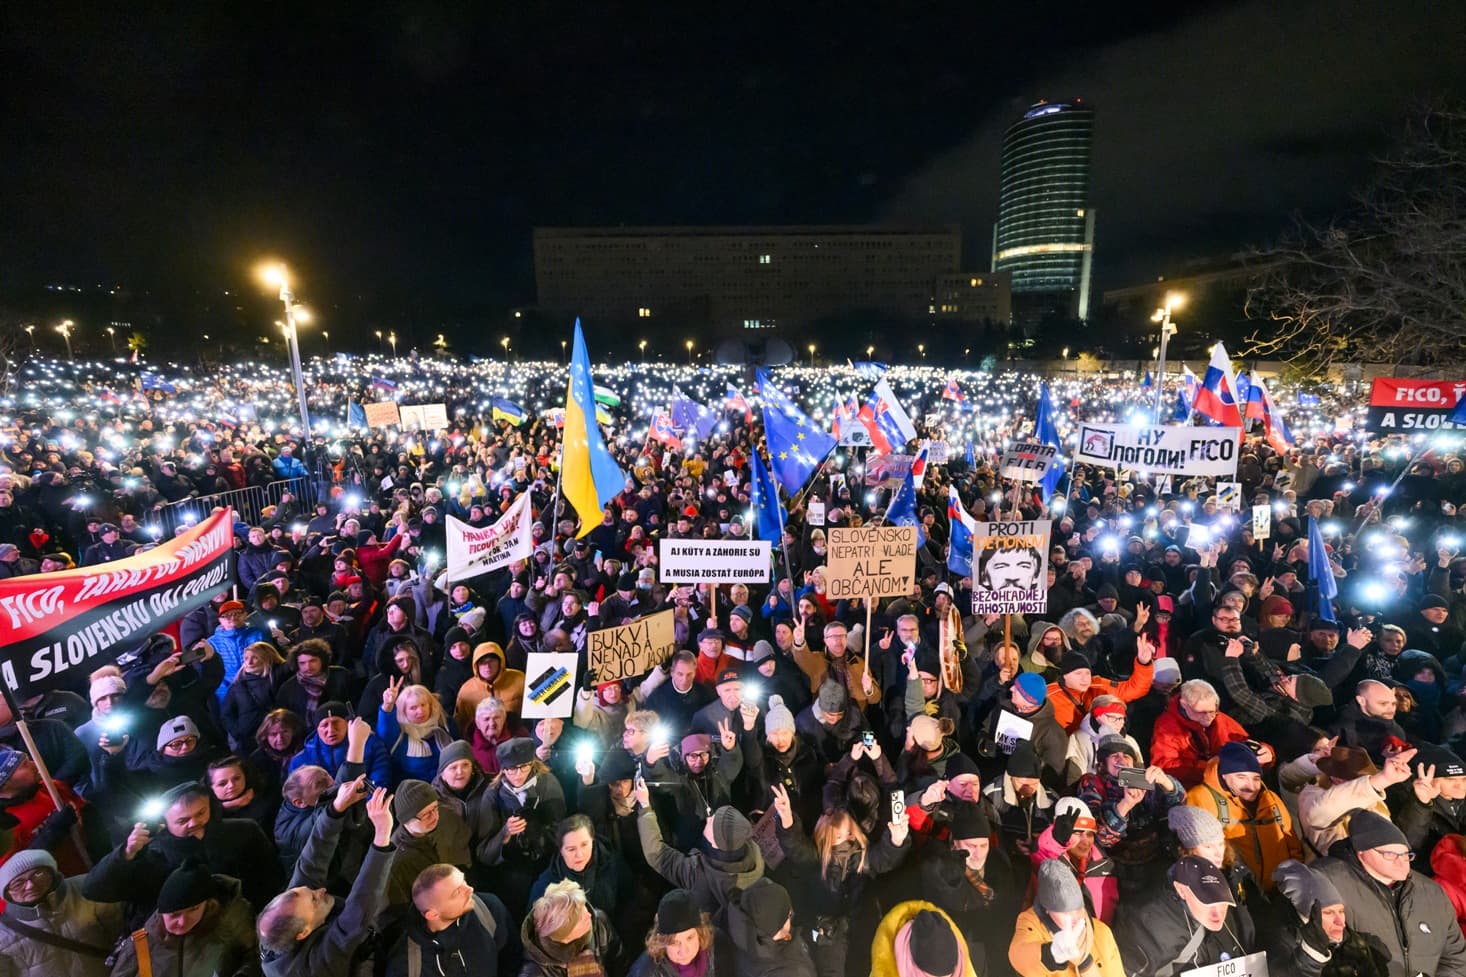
485	918
144	953
52	939
414	958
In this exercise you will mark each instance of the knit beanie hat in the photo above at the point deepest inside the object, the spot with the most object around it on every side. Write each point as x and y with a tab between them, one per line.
1369	830
1167	671
1115	743
1276	605
933	945
1023	761
455	635
731	829
1074	661
1312	691
106	685
767	904
176	728
928	662
969	821
331	710
23	861
189	884
1058	889
617	765
761	650
1237	758
1032	687
832	698
778	717
1195	826
411	797
677	913
452	753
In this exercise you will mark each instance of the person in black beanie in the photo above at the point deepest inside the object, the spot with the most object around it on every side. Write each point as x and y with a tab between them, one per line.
728	861
683	941
761	926
202	926
973	884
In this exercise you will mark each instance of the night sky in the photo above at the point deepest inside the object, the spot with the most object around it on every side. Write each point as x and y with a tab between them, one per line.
398	158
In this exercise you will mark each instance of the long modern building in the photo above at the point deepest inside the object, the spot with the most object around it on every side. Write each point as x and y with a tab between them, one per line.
741	280
1044	235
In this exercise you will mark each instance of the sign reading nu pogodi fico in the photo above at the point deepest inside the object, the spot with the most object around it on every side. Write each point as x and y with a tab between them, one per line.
1162	449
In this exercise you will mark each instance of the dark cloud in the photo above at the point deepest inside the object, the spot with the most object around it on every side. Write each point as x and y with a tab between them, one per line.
1211	132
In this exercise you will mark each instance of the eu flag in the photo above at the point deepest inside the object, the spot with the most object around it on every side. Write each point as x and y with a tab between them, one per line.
796	444
902	510
768	511
1047	433
1320	574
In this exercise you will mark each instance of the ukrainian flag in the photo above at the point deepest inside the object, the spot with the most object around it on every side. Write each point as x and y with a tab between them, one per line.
590	477
508	410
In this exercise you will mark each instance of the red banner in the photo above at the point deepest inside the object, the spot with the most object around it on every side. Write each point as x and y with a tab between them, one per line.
1400	406
59	627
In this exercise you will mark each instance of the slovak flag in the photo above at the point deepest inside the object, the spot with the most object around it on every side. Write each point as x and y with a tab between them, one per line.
736	402
1260	406
964	528
952	392
918	465
1216	398
665	431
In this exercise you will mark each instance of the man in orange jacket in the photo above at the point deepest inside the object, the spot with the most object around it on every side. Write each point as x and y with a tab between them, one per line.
1077	688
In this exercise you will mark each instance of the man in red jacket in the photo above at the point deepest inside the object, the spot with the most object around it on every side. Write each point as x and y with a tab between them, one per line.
1192	731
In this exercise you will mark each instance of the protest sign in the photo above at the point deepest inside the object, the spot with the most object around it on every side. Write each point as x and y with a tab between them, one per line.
1009	567
1397	405
854	435
434	417
1010	729
938	452
1229	495
888	468
474	550
872	561
60	627
1262	521
628	651
1161	450
1028	461
814	512
382	414
1252	965
681	561
549	685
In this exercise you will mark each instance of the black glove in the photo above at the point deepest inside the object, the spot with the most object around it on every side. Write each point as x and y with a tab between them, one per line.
588	680
1311	932
52	831
1064	827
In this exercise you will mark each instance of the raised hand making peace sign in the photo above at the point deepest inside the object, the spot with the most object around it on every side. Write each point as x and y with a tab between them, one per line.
391	692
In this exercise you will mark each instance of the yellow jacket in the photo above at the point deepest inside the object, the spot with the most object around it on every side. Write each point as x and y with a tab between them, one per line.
883	947
1030	937
1263	841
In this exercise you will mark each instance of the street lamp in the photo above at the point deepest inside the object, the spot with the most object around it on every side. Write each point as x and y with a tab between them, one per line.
505	343
642	346
276	275
30	331
327	337
392	338
1174	300
689	352
563	357
379	340
65	330
921	348
112	335
869	351
811	356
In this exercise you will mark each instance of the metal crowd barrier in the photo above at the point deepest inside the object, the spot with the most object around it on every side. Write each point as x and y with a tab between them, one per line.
249	503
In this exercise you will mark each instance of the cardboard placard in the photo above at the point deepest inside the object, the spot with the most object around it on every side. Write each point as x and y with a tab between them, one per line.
630	650
1009	567
1262	521
381	414
549	685
694	561
872	562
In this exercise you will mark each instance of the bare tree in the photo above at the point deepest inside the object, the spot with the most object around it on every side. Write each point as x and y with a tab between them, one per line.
1385	282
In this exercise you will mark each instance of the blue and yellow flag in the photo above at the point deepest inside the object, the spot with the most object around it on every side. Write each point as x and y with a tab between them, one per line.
590	477
508	410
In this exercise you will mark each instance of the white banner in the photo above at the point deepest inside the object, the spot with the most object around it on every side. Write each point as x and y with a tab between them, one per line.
472	551
1010	567
854	435
682	561
549	685
1028	461
1161	450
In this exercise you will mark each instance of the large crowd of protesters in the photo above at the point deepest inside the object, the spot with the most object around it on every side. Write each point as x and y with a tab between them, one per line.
1188	758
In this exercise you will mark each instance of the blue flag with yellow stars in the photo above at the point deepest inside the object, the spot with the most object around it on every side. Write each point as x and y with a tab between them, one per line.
796	444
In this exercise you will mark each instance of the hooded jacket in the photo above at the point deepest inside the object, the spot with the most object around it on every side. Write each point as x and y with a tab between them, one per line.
1034	660
883	946
756	955
470	946
1414	919
1031	938
1263	839
222	944
711	877
507	687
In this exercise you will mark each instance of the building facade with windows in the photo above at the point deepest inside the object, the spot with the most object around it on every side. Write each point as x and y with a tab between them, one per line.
742	280
1044	235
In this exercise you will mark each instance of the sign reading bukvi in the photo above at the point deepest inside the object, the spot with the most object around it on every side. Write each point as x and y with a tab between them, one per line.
59	627
713	561
1161	450
628	651
871	562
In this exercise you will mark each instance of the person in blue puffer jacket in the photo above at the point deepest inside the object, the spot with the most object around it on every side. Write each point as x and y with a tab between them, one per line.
328	746
415	729
229	640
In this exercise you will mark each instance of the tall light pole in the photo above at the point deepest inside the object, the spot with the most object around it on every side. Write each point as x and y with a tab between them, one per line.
30	331
379	340
1174	300
65	330
112	335
921	348
277	275
869	351
392	338
811	356
327	337
563	357
642	346
689	352
504	343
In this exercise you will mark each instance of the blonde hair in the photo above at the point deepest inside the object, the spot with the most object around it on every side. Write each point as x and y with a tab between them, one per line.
643	720
436	715
559	909
824	833
487	705
1197	691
